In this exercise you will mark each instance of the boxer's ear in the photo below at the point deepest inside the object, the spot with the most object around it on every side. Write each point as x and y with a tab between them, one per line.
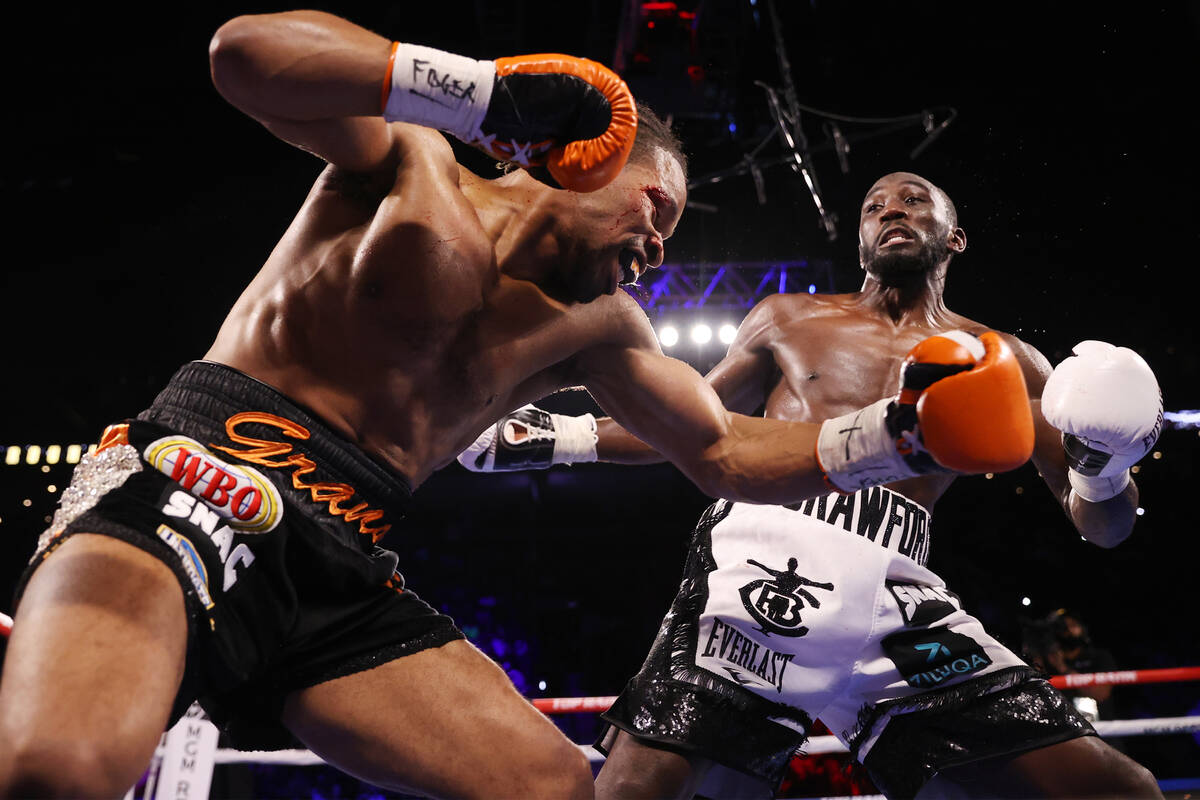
957	240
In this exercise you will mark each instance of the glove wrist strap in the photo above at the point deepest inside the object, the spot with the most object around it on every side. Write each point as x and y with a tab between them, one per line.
1096	489
437	89
856	450
574	439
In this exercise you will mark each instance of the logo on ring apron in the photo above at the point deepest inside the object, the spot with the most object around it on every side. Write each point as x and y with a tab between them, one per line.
775	603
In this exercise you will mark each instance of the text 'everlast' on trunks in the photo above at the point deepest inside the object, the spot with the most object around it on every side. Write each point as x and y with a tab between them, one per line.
825	610
270	521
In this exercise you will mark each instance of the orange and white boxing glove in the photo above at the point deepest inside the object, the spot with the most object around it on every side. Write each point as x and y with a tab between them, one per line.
963	407
1106	401
574	116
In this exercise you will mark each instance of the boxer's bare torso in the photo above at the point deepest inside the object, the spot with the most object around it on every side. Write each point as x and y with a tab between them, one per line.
402	308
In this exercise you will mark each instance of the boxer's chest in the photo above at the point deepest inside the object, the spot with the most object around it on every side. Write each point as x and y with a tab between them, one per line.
829	367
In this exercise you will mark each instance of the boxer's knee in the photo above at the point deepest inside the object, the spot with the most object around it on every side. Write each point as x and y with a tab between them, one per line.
1133	780
560	771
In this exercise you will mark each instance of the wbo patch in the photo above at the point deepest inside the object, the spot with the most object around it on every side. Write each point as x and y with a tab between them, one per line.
920	604
775	603
240	495
932	657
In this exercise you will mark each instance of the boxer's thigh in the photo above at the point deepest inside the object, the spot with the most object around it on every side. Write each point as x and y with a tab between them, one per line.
93	665
1085	767
445	722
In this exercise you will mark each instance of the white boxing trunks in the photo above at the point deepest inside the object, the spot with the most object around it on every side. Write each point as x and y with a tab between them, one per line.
823	610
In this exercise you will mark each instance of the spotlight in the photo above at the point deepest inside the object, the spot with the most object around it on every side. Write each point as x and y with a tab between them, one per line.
812	288
701	334
727	333
1140	511
669	336
1025	601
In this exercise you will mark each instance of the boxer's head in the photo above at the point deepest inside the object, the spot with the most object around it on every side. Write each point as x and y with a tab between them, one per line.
615	234
907	227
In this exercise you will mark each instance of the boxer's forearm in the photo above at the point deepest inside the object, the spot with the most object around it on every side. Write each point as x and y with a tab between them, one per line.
618	446
761	460
1107	523
299	66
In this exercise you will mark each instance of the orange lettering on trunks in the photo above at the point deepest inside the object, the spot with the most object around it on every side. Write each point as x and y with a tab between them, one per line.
280	455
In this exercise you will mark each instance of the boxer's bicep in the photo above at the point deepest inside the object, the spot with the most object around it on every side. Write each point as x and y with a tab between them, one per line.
312	79
662	401
742	377
357	144
1047	448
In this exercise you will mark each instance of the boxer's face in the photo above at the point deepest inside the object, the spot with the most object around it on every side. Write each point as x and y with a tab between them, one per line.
617	233
905	228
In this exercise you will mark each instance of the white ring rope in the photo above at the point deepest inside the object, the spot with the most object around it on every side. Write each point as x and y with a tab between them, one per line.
817	745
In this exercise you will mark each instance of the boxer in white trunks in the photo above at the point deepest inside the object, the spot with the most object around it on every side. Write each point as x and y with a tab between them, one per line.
825	609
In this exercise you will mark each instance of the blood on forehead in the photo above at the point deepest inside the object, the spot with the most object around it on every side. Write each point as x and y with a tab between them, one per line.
658	195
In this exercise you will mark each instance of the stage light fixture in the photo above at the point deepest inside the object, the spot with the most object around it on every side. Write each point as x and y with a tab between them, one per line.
701	333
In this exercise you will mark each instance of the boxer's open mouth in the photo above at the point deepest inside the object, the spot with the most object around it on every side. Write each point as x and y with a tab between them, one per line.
631	265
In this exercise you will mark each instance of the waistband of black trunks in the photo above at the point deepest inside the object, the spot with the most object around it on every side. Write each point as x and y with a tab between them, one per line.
202	395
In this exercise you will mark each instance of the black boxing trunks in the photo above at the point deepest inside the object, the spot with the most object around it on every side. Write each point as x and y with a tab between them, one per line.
827	611
270	521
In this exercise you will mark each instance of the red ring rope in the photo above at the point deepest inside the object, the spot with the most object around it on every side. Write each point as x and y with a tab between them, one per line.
570	705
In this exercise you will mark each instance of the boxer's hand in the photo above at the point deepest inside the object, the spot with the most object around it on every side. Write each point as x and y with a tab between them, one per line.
1107	404
575	117
963	407
530	438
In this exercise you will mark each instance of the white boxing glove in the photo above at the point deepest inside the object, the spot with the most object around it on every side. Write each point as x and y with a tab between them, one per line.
530	438
1106	401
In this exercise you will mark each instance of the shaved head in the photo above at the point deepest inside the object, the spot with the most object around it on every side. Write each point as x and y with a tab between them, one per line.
908	227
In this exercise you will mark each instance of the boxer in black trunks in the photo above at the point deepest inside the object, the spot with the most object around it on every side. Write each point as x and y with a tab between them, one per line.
224	544
802	357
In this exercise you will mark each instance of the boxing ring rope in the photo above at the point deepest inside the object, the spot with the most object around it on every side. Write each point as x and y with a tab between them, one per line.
188	752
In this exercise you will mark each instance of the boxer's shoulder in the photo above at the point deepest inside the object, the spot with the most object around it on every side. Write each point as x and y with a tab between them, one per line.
1034	365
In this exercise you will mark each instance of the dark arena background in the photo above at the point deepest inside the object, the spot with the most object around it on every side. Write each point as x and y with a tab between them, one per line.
140	204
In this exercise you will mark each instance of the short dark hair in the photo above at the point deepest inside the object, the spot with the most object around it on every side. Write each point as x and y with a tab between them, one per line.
652	132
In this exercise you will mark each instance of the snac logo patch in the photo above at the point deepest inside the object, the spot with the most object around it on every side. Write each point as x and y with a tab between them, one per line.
241	496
